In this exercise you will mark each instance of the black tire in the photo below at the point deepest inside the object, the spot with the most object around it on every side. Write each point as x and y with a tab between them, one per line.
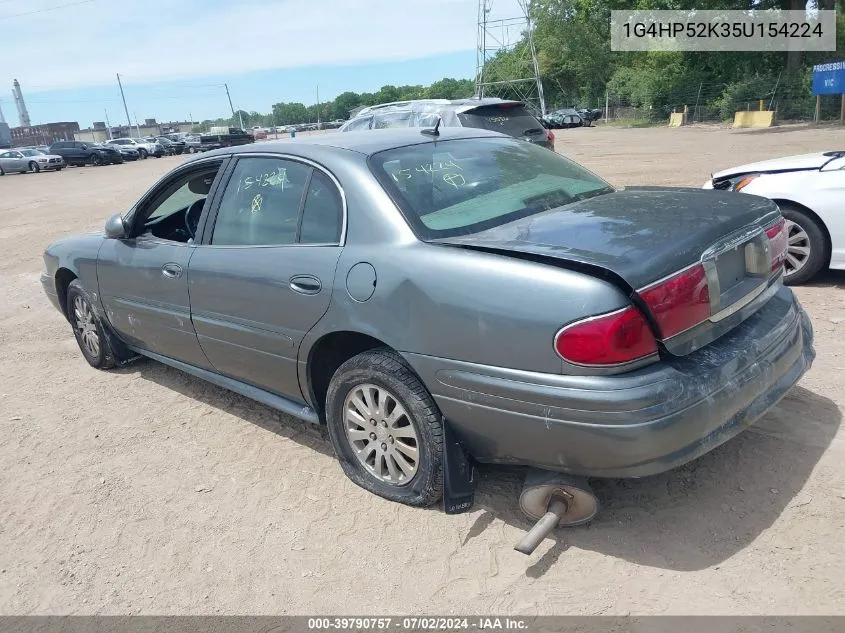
142	153
103	358
387	370
2	173
33	167
59	168
819	245
96	160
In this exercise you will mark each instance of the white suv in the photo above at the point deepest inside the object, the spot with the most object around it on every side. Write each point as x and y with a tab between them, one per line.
145	148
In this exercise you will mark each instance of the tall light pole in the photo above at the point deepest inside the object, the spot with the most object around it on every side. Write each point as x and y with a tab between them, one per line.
240	116
125	109
318	106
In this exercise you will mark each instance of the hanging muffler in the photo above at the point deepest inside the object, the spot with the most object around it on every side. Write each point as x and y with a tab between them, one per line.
553	499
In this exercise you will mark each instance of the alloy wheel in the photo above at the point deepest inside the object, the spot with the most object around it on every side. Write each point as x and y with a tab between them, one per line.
797	248
85	326
381	434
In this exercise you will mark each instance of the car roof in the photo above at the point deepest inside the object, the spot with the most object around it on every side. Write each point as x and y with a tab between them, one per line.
365	142
457	104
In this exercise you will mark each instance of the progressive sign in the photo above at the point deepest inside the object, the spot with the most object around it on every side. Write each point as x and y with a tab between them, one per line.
829	78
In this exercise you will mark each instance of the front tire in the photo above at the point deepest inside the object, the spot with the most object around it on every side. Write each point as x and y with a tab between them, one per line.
386	429
142	153
87	328
808	250
33	167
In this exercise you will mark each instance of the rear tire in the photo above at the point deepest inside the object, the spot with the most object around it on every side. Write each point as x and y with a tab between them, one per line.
400	433
87	328
803	232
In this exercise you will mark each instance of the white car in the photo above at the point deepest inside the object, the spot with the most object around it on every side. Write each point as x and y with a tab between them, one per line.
810	191
145	148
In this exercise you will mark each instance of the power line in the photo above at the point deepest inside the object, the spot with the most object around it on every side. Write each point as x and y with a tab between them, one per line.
61	6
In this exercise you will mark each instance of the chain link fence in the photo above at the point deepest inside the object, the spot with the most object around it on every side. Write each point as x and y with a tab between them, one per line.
713	103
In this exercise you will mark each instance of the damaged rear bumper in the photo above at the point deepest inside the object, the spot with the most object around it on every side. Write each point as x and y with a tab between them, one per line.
630	425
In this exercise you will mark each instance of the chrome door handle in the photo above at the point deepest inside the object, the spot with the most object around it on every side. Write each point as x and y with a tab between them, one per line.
171	271
305	284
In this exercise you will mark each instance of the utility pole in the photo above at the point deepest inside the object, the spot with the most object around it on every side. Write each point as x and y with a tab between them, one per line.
228	96
108	125
137	127
318	106
122	96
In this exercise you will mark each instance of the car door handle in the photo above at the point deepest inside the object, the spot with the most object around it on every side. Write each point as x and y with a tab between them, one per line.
171	271
305	284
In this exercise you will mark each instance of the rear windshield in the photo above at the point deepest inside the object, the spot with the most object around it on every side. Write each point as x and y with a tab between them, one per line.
464	186
511	119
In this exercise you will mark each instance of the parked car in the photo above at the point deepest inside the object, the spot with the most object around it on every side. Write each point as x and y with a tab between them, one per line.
82	153
145	148
478	293
231	137
127	152
24	160
193	143
509	117
563	119
589	116
177	140
809	189
168	147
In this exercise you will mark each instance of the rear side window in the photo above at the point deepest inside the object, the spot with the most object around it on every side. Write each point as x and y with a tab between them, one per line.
513	120
322	215
261	203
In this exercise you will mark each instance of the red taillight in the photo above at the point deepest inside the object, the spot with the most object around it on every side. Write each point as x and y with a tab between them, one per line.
550	136
611	339
778	243
679	302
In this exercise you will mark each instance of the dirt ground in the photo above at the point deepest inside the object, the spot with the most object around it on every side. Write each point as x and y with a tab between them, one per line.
145	490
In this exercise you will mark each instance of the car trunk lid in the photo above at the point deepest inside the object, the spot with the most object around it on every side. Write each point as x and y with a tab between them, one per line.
643	236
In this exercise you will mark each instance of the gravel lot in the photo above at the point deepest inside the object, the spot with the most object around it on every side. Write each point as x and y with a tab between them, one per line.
144	490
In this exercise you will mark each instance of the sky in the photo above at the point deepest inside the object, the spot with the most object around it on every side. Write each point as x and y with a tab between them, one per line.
174	56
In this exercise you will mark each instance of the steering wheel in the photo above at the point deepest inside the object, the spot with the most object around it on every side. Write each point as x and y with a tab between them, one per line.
192	217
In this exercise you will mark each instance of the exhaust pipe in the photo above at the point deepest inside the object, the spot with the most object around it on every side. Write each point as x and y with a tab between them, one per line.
553	499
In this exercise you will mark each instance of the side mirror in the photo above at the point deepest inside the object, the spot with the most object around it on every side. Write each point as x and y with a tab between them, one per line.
115	228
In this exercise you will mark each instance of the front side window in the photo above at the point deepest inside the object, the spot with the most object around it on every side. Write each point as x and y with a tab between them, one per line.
173	211
275	202
464	186
358	124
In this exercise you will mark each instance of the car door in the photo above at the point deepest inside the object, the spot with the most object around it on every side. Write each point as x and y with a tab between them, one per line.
263	276
9	161
143	278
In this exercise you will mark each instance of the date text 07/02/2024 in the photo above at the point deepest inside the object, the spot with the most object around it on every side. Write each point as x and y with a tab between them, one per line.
418	623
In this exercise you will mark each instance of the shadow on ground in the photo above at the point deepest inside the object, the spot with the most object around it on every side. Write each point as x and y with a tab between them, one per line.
701	514
694	517
828	279
269	419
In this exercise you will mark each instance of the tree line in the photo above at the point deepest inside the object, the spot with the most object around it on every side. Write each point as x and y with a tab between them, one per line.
578	69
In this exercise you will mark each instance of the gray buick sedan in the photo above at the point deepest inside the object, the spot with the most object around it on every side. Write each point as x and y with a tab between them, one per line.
443	297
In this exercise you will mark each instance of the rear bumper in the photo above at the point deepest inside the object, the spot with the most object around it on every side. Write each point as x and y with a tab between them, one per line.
630	425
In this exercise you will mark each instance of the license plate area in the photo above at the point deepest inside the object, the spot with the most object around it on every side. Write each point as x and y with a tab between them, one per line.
737	273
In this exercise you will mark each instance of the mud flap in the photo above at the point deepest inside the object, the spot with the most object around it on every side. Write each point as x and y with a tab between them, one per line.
459	474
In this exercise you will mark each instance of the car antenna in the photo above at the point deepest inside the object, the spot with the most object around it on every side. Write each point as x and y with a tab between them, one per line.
435	131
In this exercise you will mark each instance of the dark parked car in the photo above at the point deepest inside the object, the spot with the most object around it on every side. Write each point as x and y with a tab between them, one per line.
497	115
427	294
563	119
589	116
235	136
173	139
85	153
